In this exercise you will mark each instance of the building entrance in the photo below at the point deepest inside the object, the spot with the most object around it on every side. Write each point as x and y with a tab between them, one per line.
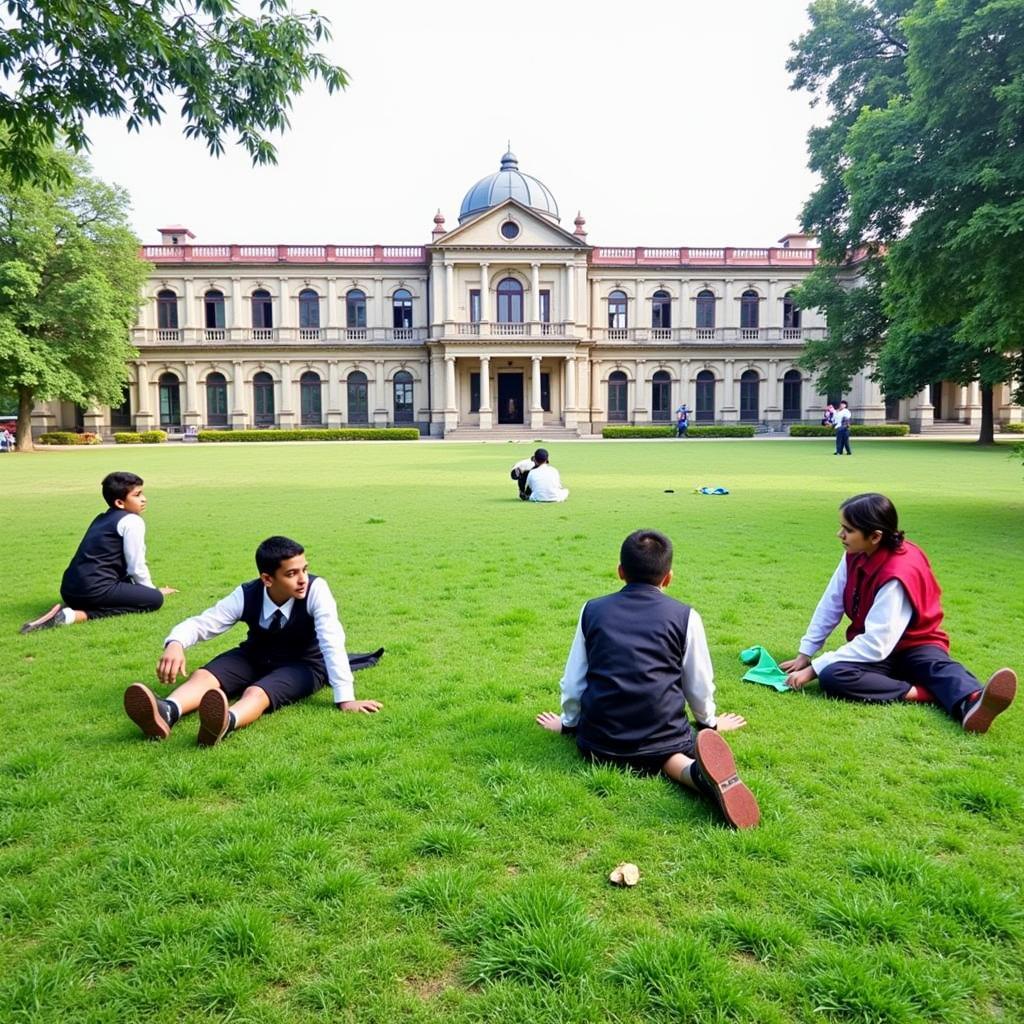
510	398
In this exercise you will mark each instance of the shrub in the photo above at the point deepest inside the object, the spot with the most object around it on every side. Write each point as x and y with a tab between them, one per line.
127	437
857	430
333	434
153	436
670	431
68	437
1013	428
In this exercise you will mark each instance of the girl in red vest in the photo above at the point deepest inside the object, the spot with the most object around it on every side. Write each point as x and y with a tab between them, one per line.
895	648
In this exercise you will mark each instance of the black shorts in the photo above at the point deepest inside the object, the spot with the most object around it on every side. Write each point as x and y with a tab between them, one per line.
642	764
234	670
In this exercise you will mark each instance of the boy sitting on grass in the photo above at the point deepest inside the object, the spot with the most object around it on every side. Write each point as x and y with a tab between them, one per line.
638	657
108	575
295	645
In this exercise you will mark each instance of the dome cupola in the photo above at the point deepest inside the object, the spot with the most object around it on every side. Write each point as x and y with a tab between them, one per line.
509	183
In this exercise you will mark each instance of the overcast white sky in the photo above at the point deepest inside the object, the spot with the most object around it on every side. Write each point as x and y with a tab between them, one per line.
667	122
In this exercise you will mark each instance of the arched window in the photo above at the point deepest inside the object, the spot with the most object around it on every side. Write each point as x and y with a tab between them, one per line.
510	301
358	402
216	400
311	408
750	306
661	396
792	395
263	399
170	401
706	314
617	314
309	314
705	402
750	388
213	309
661	313
403	396
617	397
262	310
167	310
790	317
401	311
355	310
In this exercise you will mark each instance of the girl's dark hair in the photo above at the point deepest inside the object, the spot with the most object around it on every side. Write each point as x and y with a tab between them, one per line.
870	512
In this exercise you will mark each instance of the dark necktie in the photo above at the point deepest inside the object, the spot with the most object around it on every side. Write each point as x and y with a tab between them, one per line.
276	621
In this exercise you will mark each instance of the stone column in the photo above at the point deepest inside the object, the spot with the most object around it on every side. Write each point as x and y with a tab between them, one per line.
189	312
449	292
536	412
597	409
569	409
285	319
684	398
595	309
192	416
730	316
772	411
569	314
143	412
380	412
486	412
535	288
972	408
234	325
239	416
286	415
872	405
451	408
729	411
920	411
334	417
1006	411
485	292
93	419
641	411
332	303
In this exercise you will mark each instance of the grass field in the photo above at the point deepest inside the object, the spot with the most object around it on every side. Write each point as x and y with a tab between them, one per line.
446	860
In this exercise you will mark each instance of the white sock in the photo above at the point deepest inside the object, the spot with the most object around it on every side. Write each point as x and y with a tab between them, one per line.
174	704
68	615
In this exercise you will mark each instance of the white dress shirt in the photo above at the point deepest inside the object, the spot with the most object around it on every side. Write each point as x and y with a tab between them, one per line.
319	603
698	674
132	531
545	484
842	418
887	620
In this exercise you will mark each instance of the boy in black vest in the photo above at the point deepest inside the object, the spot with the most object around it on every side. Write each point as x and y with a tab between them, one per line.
295	645
108	575
637	659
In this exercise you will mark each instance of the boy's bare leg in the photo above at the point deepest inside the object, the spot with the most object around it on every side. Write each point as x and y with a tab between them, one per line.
190	693
677	768
253	702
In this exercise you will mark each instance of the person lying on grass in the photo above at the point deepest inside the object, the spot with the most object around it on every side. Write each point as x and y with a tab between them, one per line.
895	648
108	574
638	657
295	645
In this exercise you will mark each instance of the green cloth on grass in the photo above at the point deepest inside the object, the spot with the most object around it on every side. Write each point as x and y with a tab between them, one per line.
763	668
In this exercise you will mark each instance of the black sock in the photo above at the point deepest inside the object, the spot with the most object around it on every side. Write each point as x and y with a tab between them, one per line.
965	705
168	710
232	724
699	780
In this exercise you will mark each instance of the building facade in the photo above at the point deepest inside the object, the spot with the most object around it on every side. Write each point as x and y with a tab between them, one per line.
507	322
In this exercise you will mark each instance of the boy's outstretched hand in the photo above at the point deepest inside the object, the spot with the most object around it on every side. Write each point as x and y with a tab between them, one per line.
730	722
167	590
367	707
550	721
172	664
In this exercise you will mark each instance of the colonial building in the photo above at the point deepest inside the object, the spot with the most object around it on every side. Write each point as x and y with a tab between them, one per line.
506	322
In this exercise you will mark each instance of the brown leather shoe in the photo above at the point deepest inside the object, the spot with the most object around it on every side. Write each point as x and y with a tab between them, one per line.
141	707
213	718
997	696
54	617
739	807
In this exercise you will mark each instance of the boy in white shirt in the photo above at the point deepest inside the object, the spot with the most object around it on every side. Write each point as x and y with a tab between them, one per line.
543	482
842	428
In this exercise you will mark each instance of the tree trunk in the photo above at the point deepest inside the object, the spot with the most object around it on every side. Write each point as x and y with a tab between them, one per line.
987	434
23	432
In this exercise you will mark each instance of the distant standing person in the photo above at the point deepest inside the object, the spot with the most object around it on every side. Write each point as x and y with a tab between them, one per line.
544	482
520	471
842	428
6	441
682	421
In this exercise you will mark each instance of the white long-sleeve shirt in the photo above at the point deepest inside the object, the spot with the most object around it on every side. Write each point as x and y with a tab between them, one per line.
545	484
319	603
698	674
132	531
886	621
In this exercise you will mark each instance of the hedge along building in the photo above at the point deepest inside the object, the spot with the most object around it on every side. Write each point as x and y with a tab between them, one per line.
506	323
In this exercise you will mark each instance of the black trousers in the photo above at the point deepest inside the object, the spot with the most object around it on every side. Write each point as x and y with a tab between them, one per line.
843	440
881	682
120	599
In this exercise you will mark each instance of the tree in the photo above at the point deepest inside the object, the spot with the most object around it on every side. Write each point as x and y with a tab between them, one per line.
922	176
232	73
70	280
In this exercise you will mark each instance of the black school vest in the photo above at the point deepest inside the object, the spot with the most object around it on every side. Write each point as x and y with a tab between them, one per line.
99	562
634	703
294	641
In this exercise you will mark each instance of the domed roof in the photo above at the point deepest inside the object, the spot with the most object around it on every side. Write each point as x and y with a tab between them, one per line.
508	183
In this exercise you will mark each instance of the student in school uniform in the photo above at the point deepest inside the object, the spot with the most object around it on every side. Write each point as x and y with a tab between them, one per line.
895	647
520	471
841	423
543	482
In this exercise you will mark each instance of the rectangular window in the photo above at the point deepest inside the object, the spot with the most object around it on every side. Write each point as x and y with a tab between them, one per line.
474	305
545	392
474	392
545	306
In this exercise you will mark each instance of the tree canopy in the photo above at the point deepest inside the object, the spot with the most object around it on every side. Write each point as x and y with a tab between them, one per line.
70	280
923	184
233	73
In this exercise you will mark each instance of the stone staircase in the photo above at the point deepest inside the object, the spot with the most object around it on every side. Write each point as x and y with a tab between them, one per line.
951	427
506	433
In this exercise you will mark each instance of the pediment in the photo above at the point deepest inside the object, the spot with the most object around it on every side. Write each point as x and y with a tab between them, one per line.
484	231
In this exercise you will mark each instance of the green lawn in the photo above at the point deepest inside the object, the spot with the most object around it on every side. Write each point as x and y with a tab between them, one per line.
446	860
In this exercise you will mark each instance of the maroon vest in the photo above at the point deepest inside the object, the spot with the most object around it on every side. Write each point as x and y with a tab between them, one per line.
865	575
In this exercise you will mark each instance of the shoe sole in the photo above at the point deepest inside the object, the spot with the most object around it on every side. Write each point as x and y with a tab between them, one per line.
213	718
995	699
140	706
738	804
42	622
